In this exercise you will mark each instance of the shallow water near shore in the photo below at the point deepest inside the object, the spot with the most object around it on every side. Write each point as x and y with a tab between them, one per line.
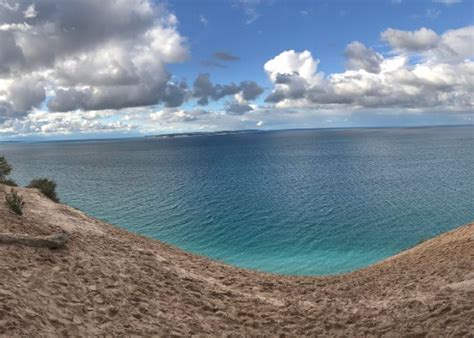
293	202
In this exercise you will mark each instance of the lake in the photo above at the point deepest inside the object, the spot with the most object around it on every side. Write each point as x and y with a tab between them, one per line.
306	202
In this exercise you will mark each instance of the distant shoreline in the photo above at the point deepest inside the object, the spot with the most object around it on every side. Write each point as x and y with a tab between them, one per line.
210	133
225	132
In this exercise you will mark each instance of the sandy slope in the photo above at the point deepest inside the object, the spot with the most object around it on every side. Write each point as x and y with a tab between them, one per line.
111	281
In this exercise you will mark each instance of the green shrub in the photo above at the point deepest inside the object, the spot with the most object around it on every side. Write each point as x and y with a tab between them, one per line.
5	168
8	181
15	202
47	187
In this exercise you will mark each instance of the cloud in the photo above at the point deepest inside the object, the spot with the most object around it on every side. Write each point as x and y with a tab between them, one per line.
250	90
44	123
452	46
26	92
291	62
11	55
424	71
359	56
455	45
30	12
219	57
250	8
288	86
223	56
412	41
170	116
88	55
175	94
204	90
84	65
6	111
293	74
235	108
203	20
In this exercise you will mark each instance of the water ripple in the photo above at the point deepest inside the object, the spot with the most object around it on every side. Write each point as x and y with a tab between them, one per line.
295	202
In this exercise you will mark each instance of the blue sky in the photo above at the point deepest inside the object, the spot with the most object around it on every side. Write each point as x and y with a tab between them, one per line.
106	69
322	27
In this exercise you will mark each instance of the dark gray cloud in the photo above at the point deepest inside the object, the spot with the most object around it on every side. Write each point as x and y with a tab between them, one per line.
11	55
22	95
217	60
27	93
175	94
204	90
250	90
117	97
296	87
276	96
235	108
6	111
70	99
223	56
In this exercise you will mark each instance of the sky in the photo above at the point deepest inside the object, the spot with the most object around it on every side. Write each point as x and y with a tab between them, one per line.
120	68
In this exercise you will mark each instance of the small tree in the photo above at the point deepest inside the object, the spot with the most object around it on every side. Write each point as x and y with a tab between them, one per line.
47	187
5	170
15	202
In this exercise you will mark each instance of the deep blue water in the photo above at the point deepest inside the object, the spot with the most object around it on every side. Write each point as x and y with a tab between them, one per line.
292	202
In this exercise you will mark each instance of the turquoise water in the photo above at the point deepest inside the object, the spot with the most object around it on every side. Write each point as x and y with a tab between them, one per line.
291	202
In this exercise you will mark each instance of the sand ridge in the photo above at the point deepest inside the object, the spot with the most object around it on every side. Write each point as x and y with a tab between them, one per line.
109	281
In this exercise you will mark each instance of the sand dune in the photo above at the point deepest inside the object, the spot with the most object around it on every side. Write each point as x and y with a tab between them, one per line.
110	281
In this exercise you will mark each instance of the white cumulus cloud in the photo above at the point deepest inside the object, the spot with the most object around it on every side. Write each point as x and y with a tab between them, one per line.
88	55
424	71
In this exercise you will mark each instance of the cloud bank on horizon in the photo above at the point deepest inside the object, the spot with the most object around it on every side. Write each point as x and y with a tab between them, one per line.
86	66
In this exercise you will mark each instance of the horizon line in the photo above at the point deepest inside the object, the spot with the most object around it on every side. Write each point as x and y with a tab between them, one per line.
216	132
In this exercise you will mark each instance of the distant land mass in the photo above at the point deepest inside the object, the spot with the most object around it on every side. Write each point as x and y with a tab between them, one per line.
251	131
206	133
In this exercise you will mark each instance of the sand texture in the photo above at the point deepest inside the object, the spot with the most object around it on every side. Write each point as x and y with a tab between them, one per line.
109	281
